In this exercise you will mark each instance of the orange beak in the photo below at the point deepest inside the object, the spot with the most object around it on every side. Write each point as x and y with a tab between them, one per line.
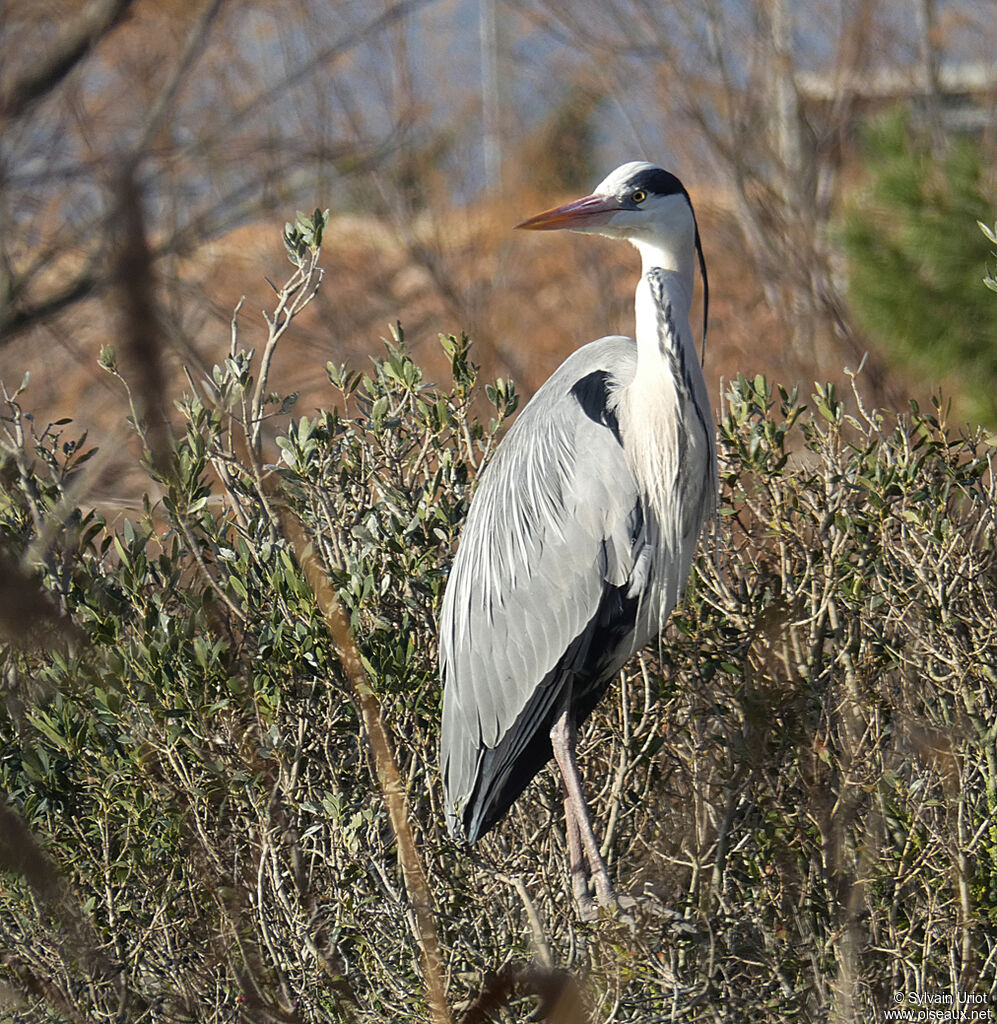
590	211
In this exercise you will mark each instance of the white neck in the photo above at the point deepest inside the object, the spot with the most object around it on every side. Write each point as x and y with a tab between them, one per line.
659	424
677	281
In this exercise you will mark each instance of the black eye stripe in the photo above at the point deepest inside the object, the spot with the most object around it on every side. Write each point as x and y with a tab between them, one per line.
655	181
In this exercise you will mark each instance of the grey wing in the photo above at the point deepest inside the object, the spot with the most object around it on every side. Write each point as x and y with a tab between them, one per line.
553	529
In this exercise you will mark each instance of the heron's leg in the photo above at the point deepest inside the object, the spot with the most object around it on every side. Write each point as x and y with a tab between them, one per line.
576	860
562	738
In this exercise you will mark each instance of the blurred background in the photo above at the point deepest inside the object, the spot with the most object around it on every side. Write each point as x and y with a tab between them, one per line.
839	155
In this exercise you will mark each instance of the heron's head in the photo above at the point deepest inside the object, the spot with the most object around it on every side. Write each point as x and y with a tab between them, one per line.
645	205
638	201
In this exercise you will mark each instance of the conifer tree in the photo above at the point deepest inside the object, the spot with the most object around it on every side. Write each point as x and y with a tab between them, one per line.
916	258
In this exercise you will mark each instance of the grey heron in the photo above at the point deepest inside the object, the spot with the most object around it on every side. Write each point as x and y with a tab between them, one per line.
581	534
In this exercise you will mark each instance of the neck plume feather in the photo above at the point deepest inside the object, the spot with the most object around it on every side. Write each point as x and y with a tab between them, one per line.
667	435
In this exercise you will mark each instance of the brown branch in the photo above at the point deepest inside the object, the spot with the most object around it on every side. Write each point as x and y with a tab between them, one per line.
28	615
323	59
99	20
21	854
93	280
560	1000
195	47
385	767
86	283
141	327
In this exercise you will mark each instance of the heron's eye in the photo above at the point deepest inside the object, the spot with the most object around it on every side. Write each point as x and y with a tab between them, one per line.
639	196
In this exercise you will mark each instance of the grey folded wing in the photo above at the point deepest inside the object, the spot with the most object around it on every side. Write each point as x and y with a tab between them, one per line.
555	528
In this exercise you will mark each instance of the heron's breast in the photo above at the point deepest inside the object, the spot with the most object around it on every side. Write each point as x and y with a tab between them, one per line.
669	455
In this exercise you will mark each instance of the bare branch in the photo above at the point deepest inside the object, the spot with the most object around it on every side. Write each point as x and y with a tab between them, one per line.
141	327
195	47
101	18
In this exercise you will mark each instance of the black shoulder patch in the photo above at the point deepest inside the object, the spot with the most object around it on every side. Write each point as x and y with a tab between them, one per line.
592	394
655	181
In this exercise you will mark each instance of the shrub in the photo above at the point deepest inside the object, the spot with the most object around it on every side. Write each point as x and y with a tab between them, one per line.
799	785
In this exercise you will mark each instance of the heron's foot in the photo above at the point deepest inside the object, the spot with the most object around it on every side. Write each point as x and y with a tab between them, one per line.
605	904
591	908
648	907
612	911
588	909
624	910
604	891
